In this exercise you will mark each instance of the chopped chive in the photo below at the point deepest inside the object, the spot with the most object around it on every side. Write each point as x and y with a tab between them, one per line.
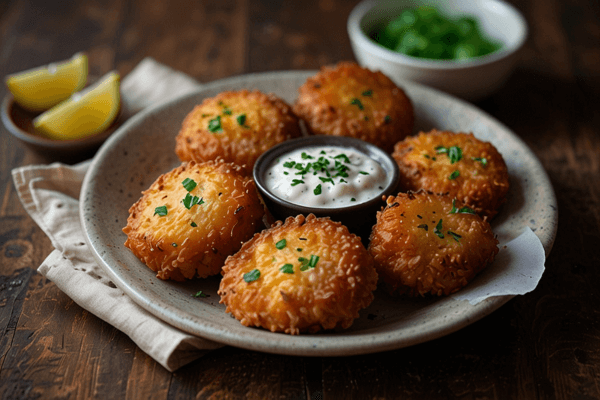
438	230
214	125
287	269
357	103
189	184
454	175
199	293
482	160
161	211
313	261
297	182
423	226
462	210
456	236
252	275
281	244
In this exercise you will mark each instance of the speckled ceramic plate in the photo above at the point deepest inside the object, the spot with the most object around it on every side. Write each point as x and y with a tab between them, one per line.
143	148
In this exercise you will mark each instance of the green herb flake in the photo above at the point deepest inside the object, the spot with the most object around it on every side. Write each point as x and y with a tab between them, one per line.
287	269
482	160
363	172
193	224
387	119
189	201
281	244
241	120
289	164
357	103
454	235
317	190
423	226
438	230
454	153
454	175
368	93
297	182
252	275
214	125
299	249
462	210
161	211
200	293
353	199
313	261
189	184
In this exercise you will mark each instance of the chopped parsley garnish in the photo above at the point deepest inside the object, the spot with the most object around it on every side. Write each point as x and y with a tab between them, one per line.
241	120
200	293
353	199
482	160
189	201
454	175
297	182
317	190
357	103
368	93
281	244
454	153
161	211
363	172
252	275
343	157
456	236
189	184
289	164
306	156
287	269
438	230
193	224
462	210
214	125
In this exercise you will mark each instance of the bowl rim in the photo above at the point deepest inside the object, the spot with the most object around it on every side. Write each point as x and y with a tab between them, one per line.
379	155
360	39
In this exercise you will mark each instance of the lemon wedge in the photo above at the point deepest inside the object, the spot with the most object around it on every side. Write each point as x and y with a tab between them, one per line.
85	113
41	88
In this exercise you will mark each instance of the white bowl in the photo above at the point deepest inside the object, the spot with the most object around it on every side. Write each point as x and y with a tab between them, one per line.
471	79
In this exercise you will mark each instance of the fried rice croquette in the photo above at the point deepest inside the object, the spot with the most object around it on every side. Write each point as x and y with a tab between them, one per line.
424	244
303	275
193	217
348	100
237	126
456	164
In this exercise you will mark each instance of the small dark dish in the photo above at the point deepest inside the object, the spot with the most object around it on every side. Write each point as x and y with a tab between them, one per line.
359	218
19	122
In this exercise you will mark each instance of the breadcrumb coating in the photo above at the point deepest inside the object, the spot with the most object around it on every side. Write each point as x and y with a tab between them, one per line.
237	126
312	274
348	100
479	178
429	244
183	230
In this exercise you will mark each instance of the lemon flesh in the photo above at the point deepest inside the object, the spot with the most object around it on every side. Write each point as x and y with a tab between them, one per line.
44	87
85	113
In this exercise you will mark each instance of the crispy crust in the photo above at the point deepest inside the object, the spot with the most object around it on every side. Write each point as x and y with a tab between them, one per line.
269	121
325	102
326	296
481	187
170	245
410	256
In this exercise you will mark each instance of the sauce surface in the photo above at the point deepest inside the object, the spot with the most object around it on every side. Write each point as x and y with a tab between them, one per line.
326	176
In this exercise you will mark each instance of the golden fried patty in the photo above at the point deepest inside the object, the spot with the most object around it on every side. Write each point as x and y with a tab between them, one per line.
301	275
424	243
192	218
237	127
457	164
347	100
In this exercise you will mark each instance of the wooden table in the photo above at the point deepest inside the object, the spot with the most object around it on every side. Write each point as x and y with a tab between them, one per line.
543	345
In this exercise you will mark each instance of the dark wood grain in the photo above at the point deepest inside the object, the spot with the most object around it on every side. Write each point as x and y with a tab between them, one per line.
543	345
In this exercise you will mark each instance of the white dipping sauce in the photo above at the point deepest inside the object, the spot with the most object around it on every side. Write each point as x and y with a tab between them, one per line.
326	176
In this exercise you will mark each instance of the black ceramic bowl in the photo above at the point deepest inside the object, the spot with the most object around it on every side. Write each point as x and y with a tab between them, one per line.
359	218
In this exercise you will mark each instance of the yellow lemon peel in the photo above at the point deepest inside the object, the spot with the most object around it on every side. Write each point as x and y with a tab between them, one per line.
85	113
41	88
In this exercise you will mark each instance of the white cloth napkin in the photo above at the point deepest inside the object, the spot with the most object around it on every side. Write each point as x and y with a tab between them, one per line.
50	193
